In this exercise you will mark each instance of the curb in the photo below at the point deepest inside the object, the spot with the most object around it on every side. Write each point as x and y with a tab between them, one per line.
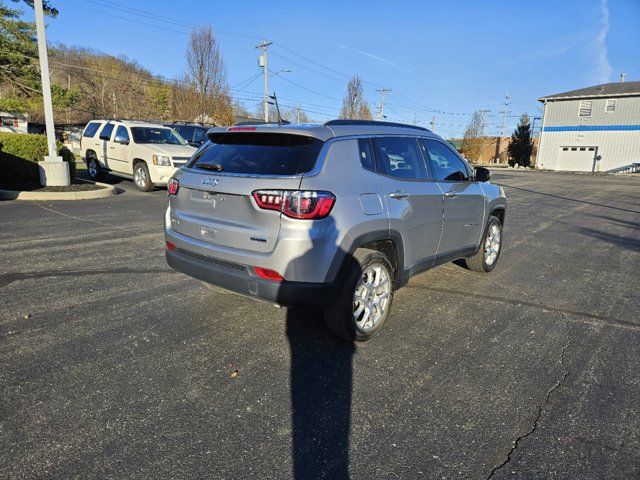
105	192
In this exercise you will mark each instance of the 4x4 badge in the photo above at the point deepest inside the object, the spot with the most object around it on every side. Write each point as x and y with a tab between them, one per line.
212	182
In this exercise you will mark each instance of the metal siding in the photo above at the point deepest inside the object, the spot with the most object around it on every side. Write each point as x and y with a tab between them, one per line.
618	148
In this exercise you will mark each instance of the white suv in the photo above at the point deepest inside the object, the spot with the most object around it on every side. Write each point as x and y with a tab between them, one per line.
146	152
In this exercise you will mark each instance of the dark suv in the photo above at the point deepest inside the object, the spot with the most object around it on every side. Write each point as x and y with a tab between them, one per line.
195	134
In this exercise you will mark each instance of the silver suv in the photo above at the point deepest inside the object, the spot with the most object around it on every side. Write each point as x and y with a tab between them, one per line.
334	216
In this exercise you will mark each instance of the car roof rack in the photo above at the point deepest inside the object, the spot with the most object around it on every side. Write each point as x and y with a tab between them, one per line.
373	123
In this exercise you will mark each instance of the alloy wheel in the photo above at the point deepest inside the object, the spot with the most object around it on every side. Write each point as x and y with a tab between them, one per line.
371	297
140	177
93	168
492	244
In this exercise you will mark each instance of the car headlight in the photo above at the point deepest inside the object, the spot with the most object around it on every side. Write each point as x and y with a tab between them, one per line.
162	160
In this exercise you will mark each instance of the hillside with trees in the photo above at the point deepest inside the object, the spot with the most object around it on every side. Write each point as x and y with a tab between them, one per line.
89	84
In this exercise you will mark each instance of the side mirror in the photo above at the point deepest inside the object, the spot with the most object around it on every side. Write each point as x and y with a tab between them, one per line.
482	174
121	140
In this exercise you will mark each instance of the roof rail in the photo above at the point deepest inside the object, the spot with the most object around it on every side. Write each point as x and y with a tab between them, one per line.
373	123
261	122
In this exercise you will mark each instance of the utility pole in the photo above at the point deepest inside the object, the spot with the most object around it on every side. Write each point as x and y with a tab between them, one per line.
298	113
415	118
433	123
504	124
504	113
263	63
484	121
382	91
53	171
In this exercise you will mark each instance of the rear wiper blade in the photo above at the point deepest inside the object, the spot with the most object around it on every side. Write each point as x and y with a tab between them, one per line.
209	166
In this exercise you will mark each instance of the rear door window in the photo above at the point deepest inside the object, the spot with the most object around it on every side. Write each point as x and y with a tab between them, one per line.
367	158
258	153
91	129
105	134
400	157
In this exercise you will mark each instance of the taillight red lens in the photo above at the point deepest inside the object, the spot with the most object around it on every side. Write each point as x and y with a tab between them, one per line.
172	186
268	274
171	246
308	205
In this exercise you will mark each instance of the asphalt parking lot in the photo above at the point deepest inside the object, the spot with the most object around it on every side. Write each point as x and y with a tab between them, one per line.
114	366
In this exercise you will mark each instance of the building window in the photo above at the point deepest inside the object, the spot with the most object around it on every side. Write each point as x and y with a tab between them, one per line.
610	106
585	108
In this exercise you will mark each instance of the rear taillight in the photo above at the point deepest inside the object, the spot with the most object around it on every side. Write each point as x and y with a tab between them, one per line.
172	186
301	204
268	274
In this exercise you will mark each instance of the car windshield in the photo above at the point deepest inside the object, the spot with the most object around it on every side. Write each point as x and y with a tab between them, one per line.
156	135
258	153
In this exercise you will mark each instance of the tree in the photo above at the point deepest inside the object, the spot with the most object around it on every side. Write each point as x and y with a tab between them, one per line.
471	141
521	146
18	55
202	93
47	8
354	105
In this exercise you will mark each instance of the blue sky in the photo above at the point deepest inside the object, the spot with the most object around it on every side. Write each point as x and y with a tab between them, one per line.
442	59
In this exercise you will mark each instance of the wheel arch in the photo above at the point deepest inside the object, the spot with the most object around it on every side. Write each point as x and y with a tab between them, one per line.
386	242
137	160
498	211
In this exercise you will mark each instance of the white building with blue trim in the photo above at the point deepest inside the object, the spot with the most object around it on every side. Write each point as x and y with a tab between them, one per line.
593	129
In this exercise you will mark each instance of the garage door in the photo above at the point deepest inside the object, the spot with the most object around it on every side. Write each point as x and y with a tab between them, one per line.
576	159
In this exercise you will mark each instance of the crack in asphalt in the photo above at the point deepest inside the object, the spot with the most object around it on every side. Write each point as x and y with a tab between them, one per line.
79	218
541	406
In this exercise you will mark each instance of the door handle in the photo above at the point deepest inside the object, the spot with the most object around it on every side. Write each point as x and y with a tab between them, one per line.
451	194
398	194
112	148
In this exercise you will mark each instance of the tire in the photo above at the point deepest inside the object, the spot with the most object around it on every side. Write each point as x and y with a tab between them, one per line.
141	177
340	318
487	255
95	171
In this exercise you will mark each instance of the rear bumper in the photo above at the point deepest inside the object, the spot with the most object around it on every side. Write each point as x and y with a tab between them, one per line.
241	279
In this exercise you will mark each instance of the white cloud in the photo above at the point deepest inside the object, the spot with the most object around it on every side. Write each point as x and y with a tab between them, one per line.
374	57
603	68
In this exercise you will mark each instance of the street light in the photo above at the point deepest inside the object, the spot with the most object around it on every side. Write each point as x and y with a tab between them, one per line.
53	171
275	74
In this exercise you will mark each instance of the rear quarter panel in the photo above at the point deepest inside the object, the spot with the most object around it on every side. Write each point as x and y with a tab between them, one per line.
359	209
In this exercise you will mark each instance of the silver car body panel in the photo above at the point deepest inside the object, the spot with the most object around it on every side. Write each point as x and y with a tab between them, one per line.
214	215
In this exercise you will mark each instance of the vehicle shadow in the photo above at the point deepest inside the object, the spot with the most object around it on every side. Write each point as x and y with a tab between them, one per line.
321	385
321	378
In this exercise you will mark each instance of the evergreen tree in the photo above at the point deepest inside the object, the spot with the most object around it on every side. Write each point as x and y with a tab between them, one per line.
18	53
521	145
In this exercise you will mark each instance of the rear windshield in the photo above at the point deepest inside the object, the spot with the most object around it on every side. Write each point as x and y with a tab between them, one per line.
258	153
